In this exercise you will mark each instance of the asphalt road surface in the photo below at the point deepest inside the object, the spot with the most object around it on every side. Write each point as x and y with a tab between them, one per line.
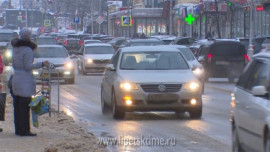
210	134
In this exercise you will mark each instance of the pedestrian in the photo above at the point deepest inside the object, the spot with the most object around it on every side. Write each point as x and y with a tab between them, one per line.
23	81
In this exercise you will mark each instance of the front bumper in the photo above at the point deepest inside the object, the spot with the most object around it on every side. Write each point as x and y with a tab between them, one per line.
169	101
62	74
94	68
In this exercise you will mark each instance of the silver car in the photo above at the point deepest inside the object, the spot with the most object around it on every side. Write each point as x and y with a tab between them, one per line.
57	55
94	58
251	107
150	78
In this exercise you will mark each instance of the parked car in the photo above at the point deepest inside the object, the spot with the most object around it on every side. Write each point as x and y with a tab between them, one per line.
73	45
223	59
134	81
46	40
55	54
94	58
250	107
141	42
183	41
91	41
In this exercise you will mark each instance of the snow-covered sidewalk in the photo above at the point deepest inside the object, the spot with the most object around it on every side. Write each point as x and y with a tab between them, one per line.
55	134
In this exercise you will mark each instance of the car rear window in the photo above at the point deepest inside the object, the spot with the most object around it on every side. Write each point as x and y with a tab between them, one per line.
46	41
73	41
99	50
227	49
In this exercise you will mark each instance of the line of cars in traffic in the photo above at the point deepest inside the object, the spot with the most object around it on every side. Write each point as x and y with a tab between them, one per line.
149	75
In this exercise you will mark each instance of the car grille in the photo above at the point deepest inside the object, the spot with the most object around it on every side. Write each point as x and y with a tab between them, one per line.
154	88
101	61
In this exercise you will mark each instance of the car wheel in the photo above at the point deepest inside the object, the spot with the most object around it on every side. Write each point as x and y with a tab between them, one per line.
118	113
196	113
104	106
235	140
267	142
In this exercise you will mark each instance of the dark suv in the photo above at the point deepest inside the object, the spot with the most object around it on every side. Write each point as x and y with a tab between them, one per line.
223	59
73	45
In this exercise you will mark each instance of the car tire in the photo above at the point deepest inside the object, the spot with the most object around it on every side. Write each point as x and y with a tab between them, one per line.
196	113
236	147
118	113
104	107
267	142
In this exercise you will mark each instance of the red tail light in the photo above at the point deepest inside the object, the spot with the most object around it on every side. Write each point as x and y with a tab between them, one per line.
66	42
253	47
57	39
247	57
81	42
209	57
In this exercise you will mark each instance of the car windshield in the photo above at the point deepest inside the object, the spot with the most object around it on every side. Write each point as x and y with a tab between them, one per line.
46	41
187	53
154	60
99	50
141	43
51	52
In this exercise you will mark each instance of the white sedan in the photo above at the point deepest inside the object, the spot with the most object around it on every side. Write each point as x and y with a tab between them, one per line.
150	78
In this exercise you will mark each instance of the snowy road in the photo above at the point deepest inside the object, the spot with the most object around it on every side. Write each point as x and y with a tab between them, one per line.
210	134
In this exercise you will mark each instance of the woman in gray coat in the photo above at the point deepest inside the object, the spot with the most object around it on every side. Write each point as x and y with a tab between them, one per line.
23	82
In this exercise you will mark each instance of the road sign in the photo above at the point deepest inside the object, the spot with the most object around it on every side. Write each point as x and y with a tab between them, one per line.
19	18
190	19
47	23
100	19
77	19
126	21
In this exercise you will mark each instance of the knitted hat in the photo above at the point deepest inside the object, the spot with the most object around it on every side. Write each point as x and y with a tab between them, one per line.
25	34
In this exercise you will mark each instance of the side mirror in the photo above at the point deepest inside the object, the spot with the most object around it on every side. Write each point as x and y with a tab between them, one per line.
200	58
110	67
259	91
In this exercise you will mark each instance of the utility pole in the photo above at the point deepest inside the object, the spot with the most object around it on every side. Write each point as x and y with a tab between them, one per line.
170	18
250	47
92	17
9	4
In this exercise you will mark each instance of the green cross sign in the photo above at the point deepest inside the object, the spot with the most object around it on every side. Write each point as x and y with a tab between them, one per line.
190	19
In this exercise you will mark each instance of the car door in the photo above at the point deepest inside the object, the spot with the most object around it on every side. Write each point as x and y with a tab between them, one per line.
109	77
249	112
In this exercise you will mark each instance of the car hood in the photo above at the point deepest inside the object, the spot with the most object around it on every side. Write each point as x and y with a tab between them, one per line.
98	56
157	76
53	60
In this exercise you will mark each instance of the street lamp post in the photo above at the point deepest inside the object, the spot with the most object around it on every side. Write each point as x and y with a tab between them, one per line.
250	47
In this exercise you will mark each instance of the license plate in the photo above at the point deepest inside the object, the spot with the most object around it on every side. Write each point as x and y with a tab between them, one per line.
163	97
222	63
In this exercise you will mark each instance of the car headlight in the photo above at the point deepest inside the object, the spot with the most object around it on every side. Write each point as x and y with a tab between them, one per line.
89	61
69	65
35	73
127	86
192	86
198	71
8	54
